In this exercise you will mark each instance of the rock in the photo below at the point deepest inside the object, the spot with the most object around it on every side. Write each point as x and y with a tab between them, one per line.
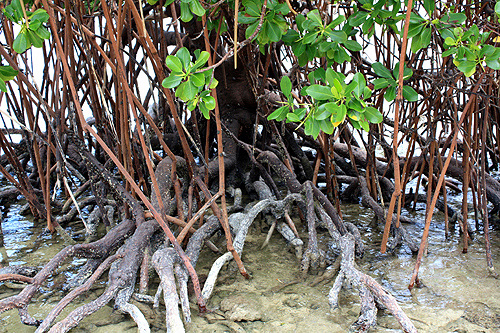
481	314
243	307
293	301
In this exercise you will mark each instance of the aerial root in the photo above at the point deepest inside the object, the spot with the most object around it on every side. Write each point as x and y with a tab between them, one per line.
287	230
313	256
122	304
240	222
370	290
163	262
167	264
368	312
75	293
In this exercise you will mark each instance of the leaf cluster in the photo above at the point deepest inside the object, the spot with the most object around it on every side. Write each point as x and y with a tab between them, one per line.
191	85
334	100
32	31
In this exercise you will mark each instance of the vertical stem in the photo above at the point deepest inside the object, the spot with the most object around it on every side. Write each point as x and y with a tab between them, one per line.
440	182
396	195
222	178
486	224
235	40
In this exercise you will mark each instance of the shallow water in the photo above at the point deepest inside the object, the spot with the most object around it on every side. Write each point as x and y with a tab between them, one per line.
458	294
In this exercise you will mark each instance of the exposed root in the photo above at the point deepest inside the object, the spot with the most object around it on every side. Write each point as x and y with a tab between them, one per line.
367	285
75	293
313	256
240	222
163	262
166	261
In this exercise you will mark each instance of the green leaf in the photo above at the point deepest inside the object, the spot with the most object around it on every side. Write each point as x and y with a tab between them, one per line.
407	72
173	63
40	15
202	60
33	38
449	41
300	112
332	108
330	76
279	114
493	64
352	45
360	84
35	24
341	56
16	10
449	52
292	117
186	91
426	37
214	83
467	67
196	8
7	73
355	105
367	93
42	32
319	92
390	94
353	114
357	19
243	19
355	124
429	6
209	102
364	124
416	43
315	17
310	37
410	94
454	18
300	19
186	15
171	81
184	57
322	113
337	36
415	18
204	111
326	126
315	129
191	105
497	8
414	30
339	86
286	85
381	70
336	22
3	86
290	37
380	83
198	79
252	8
373	115
367	26
340	115
21	43
273	32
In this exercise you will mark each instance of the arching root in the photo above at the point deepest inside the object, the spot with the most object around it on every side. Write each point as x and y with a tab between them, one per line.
240	222
370	289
